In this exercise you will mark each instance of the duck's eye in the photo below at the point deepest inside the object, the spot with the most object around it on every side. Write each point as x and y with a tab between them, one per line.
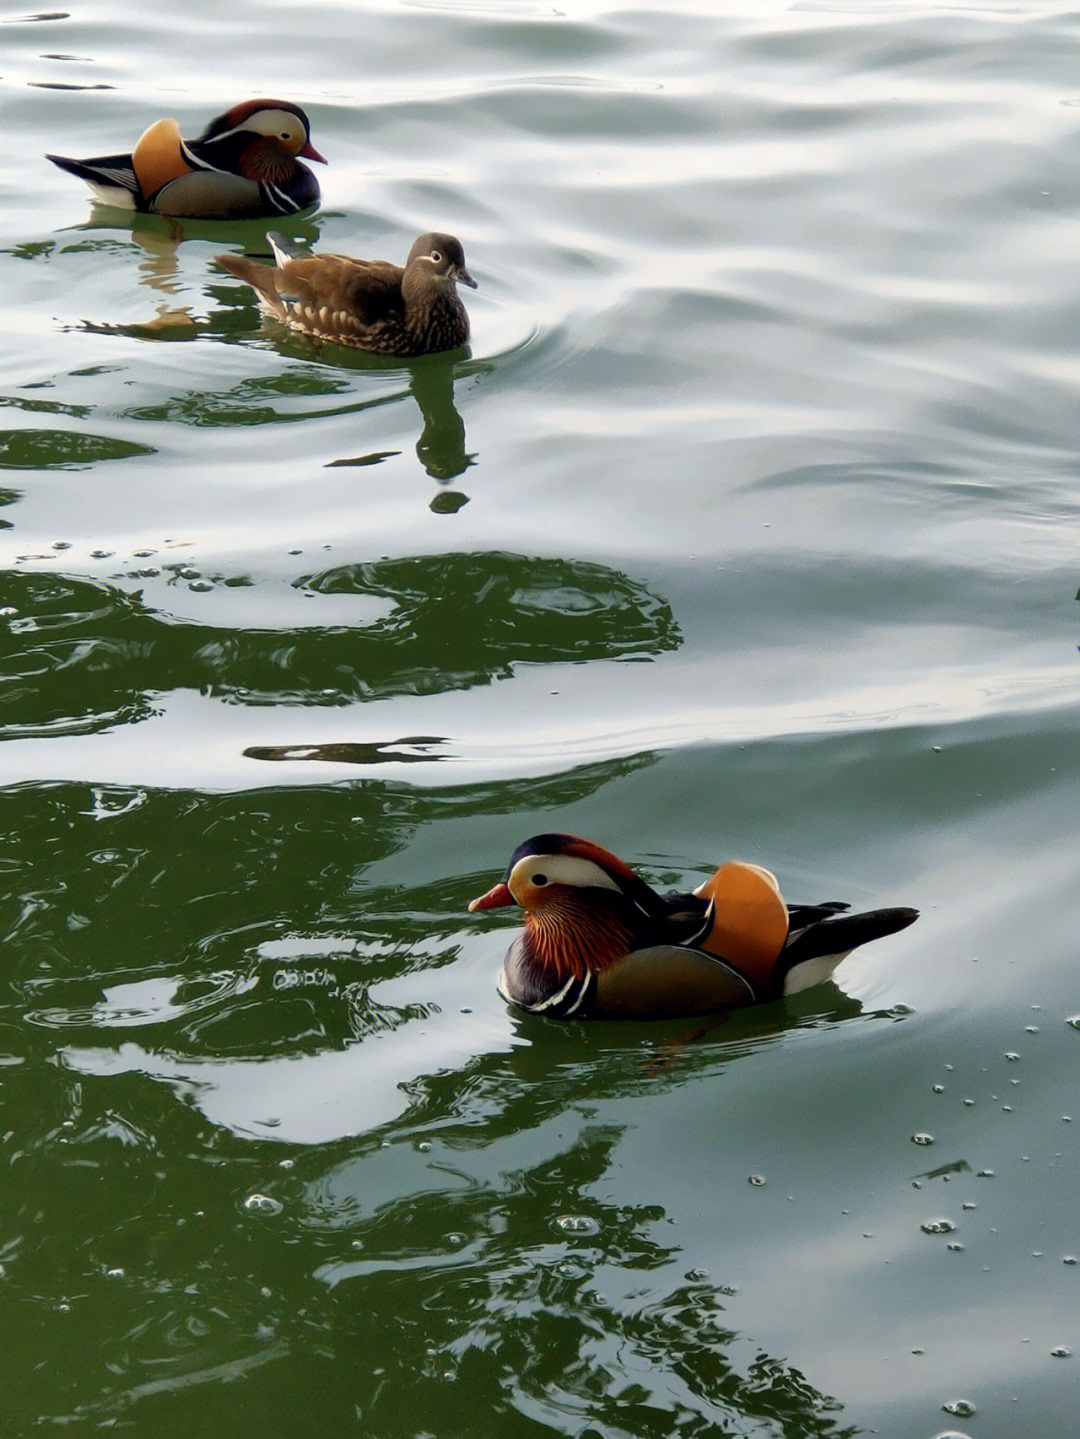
539	879
284	134
435	257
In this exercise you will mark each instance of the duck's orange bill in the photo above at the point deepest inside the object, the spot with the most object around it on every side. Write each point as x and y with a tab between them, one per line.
309	152
494	899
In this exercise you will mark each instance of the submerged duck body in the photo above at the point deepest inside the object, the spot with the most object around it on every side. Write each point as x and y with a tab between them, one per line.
368	304
245	163
598	941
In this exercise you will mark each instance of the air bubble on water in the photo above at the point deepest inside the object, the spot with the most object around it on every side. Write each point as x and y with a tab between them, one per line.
951	1434
1031	1029
696	1275
922	1139
939	1089
968	1102
986	1173
263	1204
201	587
969	1204
937	1226
962	1408
1011	1055
577	1224
424	1146
1061	1351
955	1247
1069	1259
1073	1021
286	1163
570	1269
757	1180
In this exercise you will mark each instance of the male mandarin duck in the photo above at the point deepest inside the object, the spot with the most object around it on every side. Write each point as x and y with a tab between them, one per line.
243	164
599	941
368	304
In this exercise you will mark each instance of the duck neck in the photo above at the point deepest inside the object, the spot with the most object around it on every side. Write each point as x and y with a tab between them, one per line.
433	311
266	163
563	939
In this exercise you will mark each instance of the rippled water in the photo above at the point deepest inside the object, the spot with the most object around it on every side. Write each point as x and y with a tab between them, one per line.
747	527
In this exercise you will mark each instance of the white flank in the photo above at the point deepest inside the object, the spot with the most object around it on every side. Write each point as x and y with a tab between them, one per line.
812	971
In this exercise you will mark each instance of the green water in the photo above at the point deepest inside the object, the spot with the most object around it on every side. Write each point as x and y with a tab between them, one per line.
746	528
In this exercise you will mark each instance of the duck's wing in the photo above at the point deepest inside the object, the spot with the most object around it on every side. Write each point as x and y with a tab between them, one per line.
159	157
365	291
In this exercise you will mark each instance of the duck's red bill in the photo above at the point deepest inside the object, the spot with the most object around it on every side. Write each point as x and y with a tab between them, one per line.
494	899
309	152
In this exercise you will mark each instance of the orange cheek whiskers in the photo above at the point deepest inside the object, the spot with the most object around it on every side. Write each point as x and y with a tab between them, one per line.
266	163
570	940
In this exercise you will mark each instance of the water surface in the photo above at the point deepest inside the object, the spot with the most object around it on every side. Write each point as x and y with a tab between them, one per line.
745	528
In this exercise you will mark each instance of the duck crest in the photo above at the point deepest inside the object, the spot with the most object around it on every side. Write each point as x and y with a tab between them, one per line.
565	940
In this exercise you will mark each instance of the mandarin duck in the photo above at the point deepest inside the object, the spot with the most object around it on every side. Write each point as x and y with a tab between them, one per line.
368	304
243	164
599	941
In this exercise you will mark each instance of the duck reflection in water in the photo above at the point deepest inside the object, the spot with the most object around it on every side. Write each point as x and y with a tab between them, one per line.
441	446
159	237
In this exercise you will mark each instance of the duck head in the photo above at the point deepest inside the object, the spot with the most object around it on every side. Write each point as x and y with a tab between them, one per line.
584	908
260	139
440	260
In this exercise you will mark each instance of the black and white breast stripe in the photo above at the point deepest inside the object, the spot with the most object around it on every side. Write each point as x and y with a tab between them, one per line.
567	1001
281	202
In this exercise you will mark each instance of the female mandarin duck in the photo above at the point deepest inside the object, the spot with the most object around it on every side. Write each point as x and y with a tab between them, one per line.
369	304
598	941
243	164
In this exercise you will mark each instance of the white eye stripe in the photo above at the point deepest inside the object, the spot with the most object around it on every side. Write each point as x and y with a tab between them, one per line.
277	123
569	869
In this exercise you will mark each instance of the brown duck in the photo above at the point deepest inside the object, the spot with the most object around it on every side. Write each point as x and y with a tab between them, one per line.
368	304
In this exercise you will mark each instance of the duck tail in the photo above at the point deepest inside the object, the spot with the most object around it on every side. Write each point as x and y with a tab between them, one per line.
811	954
285	249
259	277
111	177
